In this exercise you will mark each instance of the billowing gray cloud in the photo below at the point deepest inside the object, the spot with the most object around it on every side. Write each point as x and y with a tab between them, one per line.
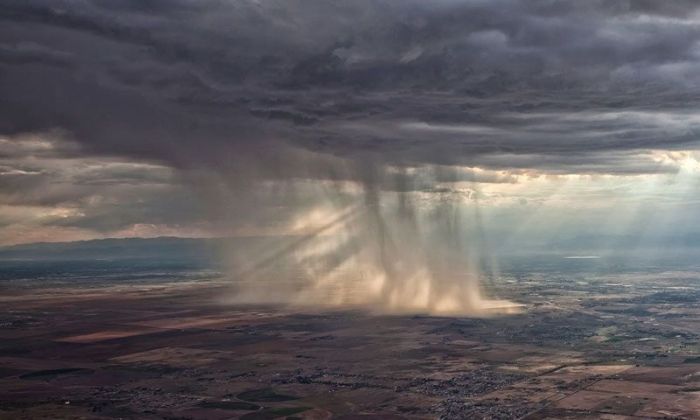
231	96
447	82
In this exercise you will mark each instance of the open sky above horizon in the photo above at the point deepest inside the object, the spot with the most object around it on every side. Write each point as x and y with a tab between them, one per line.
543	120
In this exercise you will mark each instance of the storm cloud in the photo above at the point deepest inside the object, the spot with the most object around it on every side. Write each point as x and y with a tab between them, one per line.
216	98
408	83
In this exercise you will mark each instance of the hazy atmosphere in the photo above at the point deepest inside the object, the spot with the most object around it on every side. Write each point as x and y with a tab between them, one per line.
413	158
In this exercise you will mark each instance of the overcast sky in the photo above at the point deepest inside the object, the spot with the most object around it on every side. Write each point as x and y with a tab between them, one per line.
235	117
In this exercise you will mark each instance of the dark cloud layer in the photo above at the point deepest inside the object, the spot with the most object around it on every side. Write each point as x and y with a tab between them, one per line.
136	105
226	83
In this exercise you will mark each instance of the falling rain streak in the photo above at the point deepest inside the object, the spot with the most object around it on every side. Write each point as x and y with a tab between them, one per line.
393	252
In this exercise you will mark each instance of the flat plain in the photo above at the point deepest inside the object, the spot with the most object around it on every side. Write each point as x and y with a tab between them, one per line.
600	347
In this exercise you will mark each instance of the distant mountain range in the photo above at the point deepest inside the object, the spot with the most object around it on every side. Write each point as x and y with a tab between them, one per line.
128	248
206	249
